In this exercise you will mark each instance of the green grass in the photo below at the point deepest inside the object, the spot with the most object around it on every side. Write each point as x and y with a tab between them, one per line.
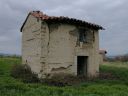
117	64
12	87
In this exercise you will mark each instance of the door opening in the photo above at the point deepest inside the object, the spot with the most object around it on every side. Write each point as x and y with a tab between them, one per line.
82	65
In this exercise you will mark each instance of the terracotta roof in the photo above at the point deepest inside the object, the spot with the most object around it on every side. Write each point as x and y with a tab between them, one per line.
50	19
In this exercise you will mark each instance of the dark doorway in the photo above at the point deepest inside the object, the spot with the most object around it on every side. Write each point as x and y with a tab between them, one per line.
82	65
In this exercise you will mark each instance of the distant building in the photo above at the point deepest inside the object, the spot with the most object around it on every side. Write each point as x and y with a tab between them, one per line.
60	45
102	56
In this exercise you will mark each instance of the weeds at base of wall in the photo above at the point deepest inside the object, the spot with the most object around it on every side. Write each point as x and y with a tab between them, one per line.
24	73
64	80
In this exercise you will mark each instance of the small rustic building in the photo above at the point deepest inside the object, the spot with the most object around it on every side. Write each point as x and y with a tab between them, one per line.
60	45
102	56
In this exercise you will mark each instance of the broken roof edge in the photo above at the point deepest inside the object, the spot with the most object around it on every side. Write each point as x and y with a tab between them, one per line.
74	21
24	23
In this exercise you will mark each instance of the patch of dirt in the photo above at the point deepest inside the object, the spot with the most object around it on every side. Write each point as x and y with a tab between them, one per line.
64	80
107	76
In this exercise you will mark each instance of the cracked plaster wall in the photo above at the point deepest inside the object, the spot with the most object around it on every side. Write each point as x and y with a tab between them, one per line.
31	44
53	48
63	50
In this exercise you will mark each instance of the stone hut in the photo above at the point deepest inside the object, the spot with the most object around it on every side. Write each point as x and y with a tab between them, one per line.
60	45
102	56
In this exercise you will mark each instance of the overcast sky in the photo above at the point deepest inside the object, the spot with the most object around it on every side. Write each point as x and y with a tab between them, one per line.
111	14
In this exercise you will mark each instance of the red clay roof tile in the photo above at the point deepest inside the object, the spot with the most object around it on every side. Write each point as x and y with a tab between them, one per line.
63	19
45	17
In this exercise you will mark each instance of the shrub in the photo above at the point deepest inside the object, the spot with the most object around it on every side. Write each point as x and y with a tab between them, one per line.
24	73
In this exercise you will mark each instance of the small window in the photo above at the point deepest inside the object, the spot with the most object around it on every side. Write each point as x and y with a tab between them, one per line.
85	35
82	35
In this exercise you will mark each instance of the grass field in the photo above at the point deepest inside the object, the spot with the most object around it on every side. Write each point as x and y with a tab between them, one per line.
117	64
12	87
